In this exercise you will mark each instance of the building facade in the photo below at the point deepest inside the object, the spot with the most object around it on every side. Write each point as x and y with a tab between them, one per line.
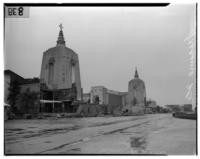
33	87
10	76
136	95
102	95
86	97
60	82
20	85
187	107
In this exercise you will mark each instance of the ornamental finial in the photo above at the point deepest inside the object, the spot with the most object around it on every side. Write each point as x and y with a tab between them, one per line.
61	40
136	73
61	26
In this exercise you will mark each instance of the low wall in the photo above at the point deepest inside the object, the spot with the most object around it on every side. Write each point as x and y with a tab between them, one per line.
91	110
133	110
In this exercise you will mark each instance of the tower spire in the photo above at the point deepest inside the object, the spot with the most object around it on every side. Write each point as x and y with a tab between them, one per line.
136	73
61	40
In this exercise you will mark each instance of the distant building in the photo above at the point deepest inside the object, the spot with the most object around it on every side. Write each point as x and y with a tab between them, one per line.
33	84
136	91
173	107
116	98
136	95
187	107
151	103
135	100
10	76
183	108
106	96
60	78
21	85
86	97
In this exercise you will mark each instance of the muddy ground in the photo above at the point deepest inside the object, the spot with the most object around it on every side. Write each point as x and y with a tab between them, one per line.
146	134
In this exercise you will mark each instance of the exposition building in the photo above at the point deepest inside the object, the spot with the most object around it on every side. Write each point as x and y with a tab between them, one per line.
133	100
60	84
60	89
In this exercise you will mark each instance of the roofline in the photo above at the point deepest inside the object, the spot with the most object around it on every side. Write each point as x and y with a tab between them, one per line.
11	72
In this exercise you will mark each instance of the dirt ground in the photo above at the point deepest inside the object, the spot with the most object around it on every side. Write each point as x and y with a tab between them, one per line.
146	134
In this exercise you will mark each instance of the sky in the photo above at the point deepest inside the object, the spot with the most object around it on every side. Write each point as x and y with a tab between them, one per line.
110	43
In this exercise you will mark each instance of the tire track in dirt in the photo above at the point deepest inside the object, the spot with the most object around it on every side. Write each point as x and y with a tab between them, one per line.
91	137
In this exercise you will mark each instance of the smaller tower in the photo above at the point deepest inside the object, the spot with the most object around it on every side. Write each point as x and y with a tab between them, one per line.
136	91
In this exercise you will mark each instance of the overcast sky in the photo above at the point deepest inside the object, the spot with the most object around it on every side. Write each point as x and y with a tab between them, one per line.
110	43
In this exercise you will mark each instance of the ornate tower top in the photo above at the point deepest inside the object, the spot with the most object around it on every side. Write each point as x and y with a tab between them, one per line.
61	40
136	73
60	26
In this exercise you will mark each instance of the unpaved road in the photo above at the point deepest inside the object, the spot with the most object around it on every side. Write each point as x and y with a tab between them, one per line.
148	134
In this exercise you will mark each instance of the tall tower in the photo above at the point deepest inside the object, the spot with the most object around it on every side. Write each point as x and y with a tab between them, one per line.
136	91
60	73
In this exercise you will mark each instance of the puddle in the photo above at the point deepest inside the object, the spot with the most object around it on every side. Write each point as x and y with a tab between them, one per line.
138	144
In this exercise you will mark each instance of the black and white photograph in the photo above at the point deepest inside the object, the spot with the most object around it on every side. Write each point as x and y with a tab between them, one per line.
99	79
